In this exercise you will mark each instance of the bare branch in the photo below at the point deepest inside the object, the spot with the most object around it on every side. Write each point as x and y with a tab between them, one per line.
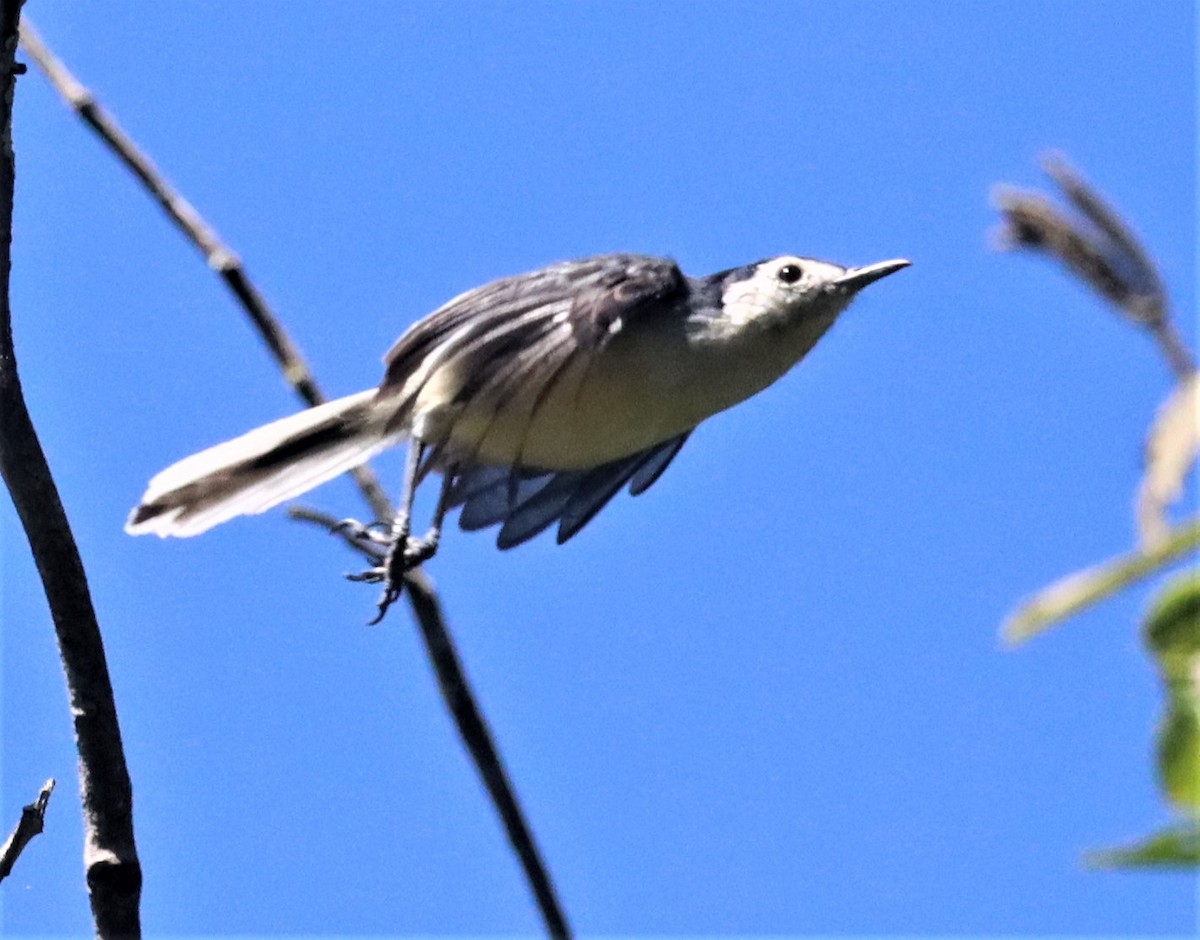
114	875
478	739
374	554
219	256
33	815
472	727
424	602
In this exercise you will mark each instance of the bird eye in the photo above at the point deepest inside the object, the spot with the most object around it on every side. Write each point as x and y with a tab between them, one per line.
790	273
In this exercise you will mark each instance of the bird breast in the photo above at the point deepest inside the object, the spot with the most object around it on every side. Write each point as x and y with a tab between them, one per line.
648	382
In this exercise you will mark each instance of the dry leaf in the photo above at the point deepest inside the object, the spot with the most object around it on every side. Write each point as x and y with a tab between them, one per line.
1171	450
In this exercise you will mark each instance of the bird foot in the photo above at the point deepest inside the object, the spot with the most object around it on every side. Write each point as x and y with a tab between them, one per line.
393	565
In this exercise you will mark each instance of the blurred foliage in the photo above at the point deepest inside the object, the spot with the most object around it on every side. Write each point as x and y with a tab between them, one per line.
1091	241
1071	594
1177	847
1172	634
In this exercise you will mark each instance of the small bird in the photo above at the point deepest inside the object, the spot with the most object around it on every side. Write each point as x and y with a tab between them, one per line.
535	397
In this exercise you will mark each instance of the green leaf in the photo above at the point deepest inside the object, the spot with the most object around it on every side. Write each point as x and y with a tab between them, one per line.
1176	847
1179	755
1172	635
1172	628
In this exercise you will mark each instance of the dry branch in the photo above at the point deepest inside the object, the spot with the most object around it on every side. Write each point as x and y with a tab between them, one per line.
472	727
114	875
219	256
439	644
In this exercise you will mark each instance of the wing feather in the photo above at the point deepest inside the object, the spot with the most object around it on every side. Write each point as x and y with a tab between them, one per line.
655	464
528	502
594	491
595	292
494	504
537	513
512	342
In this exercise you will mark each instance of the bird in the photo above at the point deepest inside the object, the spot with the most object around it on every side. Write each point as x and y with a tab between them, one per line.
535	397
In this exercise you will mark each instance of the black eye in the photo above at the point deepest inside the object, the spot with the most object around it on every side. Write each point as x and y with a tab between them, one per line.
790	273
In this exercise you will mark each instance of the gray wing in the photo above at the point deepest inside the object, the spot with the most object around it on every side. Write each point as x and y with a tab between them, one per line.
522	317
526	502
516	337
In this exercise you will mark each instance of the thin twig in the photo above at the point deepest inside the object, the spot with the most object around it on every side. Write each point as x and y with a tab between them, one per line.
478	739
114	875
334	526
1174	349
424	603
33	817
472	727
1075	592
220	257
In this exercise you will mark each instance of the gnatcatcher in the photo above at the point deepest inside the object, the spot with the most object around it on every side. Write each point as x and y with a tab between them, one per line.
536	397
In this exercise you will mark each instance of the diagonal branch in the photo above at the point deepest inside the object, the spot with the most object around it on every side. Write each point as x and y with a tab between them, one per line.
114	875
219	256
472	727
440	647
478	739
33	816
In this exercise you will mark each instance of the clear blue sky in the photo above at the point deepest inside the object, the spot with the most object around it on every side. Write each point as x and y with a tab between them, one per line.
765	697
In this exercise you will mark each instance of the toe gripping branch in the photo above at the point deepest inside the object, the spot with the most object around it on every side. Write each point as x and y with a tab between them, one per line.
389	545
394	552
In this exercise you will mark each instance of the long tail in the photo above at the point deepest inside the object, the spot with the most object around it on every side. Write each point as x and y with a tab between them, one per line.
256	471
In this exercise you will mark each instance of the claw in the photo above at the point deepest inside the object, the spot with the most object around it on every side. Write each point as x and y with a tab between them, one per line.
393	566
390	596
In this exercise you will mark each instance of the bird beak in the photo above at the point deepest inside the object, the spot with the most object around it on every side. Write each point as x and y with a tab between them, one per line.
855	279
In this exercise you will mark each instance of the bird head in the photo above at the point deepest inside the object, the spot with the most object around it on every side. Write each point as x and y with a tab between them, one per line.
782	291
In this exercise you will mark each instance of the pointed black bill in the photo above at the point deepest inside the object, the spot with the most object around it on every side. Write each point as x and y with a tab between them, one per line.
855	279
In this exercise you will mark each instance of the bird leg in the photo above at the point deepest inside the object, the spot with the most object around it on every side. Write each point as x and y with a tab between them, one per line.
398	551
392	550
419	551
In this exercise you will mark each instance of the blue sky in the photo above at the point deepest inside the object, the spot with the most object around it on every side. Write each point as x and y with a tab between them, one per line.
766	696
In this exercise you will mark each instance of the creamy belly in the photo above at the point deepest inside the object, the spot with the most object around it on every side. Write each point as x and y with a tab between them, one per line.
645	386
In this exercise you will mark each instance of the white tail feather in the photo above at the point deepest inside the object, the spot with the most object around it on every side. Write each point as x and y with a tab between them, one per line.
233	479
